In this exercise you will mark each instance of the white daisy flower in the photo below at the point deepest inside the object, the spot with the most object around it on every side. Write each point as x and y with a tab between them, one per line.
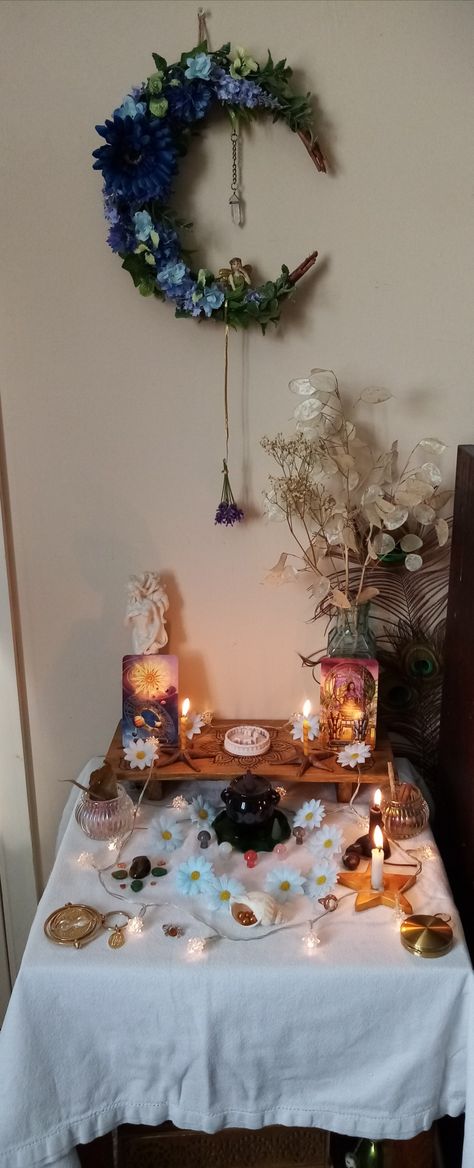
284	882
297	724
310	815
221	891
321	879
168	833
202	811
141	753
355	754
195	725
327	841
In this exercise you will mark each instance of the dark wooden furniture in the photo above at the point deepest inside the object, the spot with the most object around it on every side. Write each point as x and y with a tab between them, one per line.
454	823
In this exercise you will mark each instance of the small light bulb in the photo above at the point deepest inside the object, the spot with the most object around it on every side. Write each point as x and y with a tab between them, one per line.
85	860
135	925
196	946
180	803
311	941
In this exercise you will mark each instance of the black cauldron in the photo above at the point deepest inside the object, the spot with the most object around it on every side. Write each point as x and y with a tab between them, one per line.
250	800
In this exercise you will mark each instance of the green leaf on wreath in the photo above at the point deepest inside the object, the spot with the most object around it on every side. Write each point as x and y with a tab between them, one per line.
161	64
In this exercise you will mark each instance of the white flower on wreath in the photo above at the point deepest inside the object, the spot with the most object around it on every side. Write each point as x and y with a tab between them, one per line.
297	724
284	882
141	753
321	879
310	815
355	754
169	833
195	725
202	811
327	841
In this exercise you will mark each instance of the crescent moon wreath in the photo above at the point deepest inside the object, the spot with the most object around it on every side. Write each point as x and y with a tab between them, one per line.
143	143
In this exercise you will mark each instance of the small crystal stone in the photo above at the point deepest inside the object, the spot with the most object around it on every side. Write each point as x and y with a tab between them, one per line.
235	209
250	855
225	848
281	850
204	838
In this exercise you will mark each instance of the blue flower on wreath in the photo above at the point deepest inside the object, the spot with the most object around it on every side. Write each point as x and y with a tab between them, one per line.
207	299
139	158
169	247
187	102
143	223
130	108
239	91
120	238
170	277
198	66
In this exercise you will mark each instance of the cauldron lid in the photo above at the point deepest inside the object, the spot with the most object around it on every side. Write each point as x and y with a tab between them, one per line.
249	784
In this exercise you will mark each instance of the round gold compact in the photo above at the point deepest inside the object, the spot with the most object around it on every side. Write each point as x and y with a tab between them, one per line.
427	936
73	924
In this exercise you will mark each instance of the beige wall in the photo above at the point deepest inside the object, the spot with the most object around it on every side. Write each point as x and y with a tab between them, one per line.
113	410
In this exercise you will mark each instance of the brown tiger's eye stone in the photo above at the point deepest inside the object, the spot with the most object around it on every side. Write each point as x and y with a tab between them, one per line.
139	868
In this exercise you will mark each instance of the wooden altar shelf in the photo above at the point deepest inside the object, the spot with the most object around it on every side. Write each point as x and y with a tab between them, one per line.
207	750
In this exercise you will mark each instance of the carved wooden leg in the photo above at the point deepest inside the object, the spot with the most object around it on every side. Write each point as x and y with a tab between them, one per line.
345	792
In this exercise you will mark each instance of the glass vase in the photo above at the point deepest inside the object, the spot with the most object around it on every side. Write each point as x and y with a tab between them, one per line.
405	818
351	635
103	819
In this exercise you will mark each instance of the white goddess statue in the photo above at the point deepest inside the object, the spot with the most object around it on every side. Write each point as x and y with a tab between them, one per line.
146	606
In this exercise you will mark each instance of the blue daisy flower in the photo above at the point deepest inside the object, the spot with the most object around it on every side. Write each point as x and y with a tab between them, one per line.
222	889
139	158
284	882
194	876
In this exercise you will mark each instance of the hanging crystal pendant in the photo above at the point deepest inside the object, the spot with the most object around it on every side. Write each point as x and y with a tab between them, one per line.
235	209
234	201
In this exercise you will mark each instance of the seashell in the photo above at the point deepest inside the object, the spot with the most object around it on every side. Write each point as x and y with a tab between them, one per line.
263	906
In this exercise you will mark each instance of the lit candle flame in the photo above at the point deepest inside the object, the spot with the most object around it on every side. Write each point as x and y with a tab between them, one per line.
378	837
377	798
306	709
185	707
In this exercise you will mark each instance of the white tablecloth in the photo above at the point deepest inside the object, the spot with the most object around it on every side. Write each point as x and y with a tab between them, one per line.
359	1037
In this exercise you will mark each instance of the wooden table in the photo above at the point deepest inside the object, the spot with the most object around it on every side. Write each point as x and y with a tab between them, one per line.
213	762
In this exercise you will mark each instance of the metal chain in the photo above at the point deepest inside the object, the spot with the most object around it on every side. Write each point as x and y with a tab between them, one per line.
234	137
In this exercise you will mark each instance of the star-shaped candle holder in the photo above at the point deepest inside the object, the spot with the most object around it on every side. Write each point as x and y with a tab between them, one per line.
171	754
392	893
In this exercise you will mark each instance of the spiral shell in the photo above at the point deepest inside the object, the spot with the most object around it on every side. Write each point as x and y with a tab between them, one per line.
264	907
